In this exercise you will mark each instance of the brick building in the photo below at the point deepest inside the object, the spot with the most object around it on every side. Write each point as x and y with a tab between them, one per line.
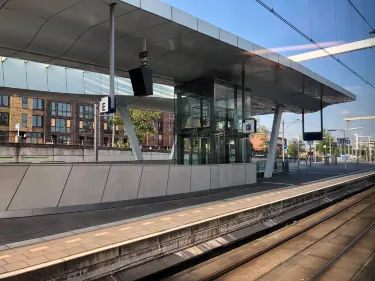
260	143
59	121
164	132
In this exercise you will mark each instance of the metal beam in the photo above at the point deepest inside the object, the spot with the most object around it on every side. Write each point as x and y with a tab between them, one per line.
336	50
359	118
112	54
129	127
273	142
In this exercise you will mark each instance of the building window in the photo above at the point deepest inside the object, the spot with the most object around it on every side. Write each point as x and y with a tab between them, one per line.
25	102
24	120
160	139
60	126
4	101
86	111
4	119
38	104
86	127
35	137
64	140
4	136
37	121
60	109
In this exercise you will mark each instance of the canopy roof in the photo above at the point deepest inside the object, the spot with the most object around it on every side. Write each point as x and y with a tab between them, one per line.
182	48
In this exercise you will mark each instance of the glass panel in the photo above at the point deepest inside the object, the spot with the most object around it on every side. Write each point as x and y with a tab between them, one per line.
4	119
4	101
53	107
208	123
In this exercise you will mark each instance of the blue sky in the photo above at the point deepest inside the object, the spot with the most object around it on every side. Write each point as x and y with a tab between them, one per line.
324	20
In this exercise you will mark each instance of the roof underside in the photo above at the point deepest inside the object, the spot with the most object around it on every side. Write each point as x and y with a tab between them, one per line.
75	33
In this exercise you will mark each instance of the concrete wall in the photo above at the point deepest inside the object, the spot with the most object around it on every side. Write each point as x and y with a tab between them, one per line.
43	153
26	187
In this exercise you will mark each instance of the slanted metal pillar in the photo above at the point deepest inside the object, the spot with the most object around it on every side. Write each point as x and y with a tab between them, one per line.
172	155
273	141
129	127
112	54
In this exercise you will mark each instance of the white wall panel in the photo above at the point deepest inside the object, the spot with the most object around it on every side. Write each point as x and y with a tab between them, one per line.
215	181
200	178
154	181
14	73
226	175
85	185
92	84
41	187
251	173
36	76
10	178
1	74
56	79
239	174
123	183
75	81
179	179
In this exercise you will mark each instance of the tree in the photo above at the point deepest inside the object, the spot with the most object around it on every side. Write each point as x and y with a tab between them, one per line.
264	133
142	121
293	148
324	145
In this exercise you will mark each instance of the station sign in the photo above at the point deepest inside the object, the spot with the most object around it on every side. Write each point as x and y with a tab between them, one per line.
343	140
105	105
249	126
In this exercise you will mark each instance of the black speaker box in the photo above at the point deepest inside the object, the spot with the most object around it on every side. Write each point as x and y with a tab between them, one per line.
312	136
141	79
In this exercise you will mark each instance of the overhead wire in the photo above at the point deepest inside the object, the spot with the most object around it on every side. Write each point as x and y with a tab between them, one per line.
360	14
312	41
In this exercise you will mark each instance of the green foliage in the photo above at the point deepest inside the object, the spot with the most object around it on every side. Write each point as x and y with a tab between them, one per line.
142	121
121	144
293	148
326	141
115	119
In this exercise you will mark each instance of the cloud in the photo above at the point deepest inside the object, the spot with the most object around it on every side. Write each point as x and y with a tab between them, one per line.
344	112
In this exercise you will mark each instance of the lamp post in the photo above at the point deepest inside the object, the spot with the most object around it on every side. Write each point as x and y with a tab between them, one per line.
298	152
283	133
343	145
368	143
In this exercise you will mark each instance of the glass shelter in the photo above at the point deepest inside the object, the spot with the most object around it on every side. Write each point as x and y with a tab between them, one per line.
208	123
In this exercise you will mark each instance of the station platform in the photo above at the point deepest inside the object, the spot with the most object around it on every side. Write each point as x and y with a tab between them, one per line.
33	243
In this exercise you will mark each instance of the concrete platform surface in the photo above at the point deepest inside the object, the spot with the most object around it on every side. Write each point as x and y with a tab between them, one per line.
30	228
27	256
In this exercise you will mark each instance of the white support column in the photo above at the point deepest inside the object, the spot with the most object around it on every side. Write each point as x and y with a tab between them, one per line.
273	141
171	156
129	127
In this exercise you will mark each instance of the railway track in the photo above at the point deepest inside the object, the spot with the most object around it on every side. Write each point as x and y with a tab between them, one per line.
314	248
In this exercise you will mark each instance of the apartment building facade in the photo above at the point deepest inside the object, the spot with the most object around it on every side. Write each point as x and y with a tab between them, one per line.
41	120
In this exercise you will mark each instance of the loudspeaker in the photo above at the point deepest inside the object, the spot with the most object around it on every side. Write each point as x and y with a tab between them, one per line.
141	79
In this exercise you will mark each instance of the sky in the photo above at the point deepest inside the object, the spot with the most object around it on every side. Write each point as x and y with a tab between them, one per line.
324	21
